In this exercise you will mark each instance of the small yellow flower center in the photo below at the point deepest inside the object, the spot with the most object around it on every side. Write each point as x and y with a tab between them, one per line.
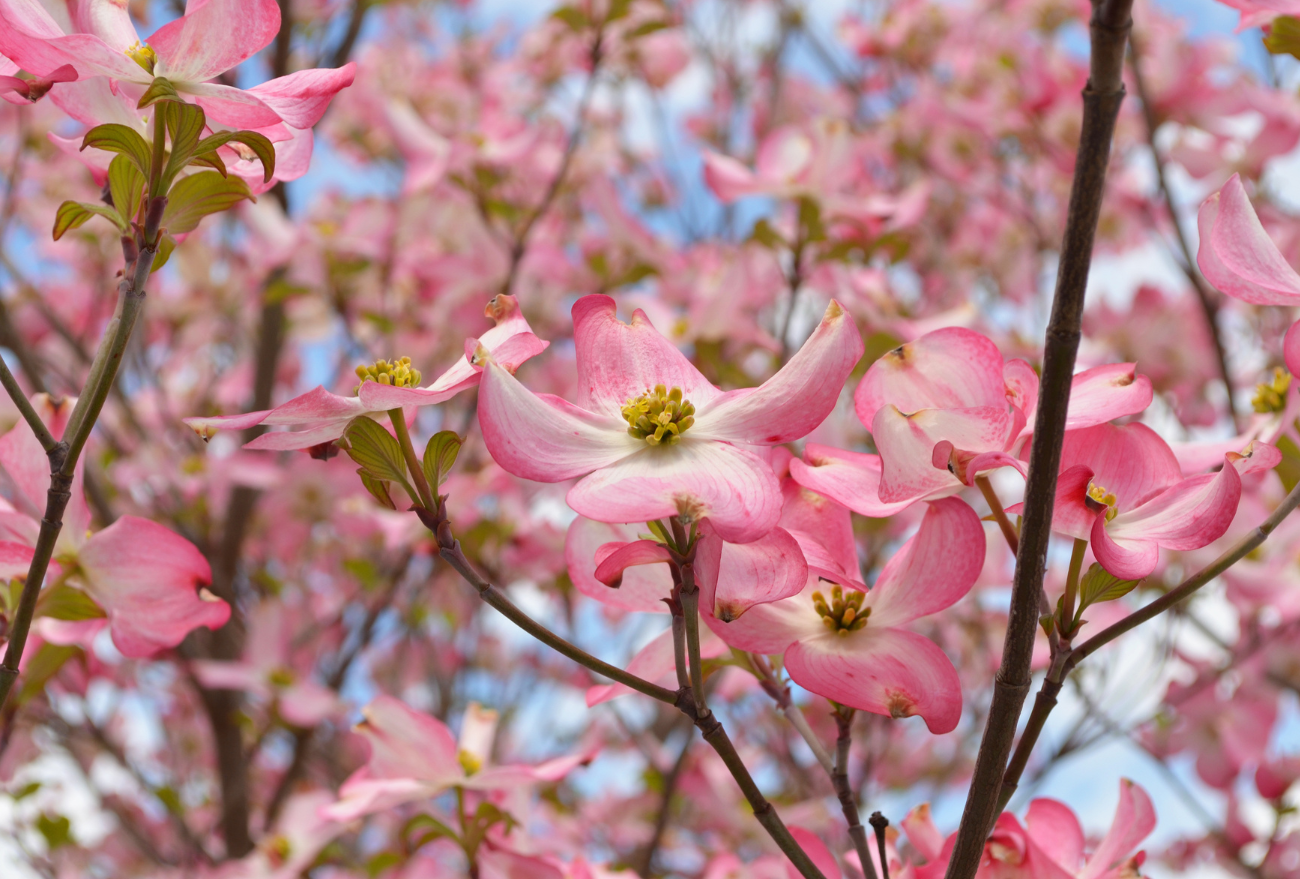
282	677
1271	396
844	613
277	848
143	55
1103	497
660	416
469	762
398	373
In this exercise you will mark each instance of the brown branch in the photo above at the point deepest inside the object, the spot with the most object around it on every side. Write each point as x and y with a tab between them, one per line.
1102	97
647	857
843	790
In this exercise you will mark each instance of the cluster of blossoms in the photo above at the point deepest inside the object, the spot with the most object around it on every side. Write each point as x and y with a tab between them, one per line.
732	313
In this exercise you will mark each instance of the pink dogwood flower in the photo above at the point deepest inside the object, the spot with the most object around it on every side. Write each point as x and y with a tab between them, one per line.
1122	488
147	580
944	409
1257	13
97	38
651	436
29	90
1237	256
323	416
854	648
414	757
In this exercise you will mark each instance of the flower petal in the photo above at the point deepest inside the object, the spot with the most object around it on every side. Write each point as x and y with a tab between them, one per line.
15	559
1127	558
848	478
1134	820
146	579
1130	460
792	403
614	558
1291	349
301	99
644	588
227	105
617	361
745	574
728	178
362	795
212	37
816	851
1189	515
771	628
952	368
934	569
1236	254
886	671
907	442
405	743
1055	829
33	40
733	488
656	663
826	523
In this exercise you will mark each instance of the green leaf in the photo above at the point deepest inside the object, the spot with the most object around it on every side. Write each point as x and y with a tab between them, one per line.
126	185
25	791
56	829
1288	470
810	220
431	828
1284	36
381	862
166	244
72	214
1098	585
258	143
44	664
764	234
185	124
378	453
64	602
618	9
117	138
160	89
378	488
440	456
646	28
574	17
211	160
196	196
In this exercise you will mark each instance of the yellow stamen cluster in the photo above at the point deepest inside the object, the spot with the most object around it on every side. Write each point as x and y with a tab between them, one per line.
1101	496
660	416
469	762
1271	396
844	613
143	55
282	677
398	373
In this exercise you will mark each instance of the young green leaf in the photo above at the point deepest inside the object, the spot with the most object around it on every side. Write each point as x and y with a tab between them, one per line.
117	138
160	89
378	453
126	186
259	144
72	214
196	196
1099	585
185	123
378	489
211	159
166	244
64	602
440	456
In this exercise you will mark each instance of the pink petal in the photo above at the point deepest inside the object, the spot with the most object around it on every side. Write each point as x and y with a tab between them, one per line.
308	704
848	478
728	178
655	662
147	579
613	559
509	351
15	559
952	368
240	676
921	832
301	99
934	569
296	440
773	627
828	524
1131	460
1071	514
405	743
618	361
213	37
547	439
32	39
515	775
1055	830
1189	515
784	156
230	106
886	671
1291	349
94	101
792	403
24	462
1237	256
734	489
207	426
643	588
1022	387
362	795
816	851
1135	818
1105	393
907	442
1129	558
736	576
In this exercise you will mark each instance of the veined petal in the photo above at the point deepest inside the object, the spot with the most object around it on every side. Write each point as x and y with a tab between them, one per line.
745	574
405	743
1126	558
1189	515
549	440
656	663
883	670
907	442
213	37
1237	256
1105	393
110	20
617	361
1071	514
1135	818
512	776
952	368
34	41
792	403
827	522
147	579
207	426
614	558
733	488
301	99
728	178
644	587
94	102
771	628
848	478
934	569
1130	460
230	106
15	559
297	440
362	795
1291	349
817	852
1055	829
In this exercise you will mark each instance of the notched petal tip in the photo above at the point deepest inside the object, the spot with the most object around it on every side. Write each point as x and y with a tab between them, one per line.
501	307
901	705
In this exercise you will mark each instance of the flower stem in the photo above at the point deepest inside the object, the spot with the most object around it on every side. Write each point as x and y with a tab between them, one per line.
840	778
999	514
1066	622
413	463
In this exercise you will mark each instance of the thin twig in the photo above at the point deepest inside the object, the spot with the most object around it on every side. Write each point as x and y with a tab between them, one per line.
843	790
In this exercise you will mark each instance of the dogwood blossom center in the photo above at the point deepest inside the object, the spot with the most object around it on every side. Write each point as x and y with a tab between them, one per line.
659	416
844	613
398	373
143	55
1098	494
1270	396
